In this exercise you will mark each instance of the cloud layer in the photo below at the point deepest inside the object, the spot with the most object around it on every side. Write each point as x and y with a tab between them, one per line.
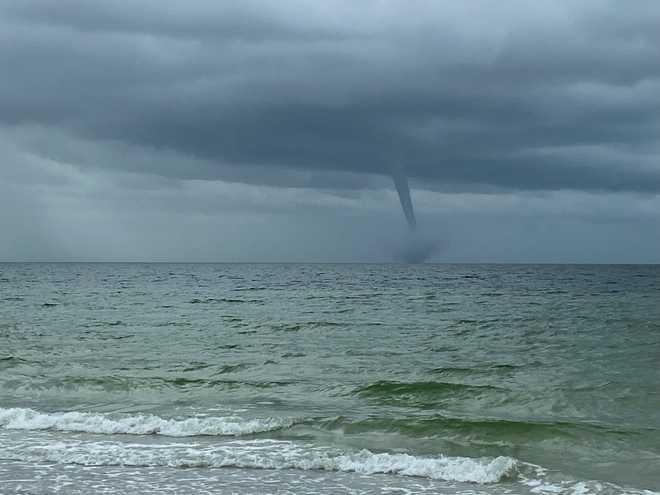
474	98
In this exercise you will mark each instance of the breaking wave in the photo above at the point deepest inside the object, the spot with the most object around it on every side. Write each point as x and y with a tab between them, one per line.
29	419
267	454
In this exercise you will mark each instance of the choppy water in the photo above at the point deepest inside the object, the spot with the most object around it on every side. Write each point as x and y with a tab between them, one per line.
156	378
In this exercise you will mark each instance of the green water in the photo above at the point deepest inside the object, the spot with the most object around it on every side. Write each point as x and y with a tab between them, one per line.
329	378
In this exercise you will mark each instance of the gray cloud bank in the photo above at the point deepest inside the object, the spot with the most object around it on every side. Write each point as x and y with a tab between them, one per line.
474	97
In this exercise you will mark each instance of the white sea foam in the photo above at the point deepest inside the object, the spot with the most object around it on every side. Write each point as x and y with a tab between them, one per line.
29	419
545	487
256	453
267	454
539	484
444	468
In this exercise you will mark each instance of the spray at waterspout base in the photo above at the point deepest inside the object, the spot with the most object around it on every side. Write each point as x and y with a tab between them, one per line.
416	248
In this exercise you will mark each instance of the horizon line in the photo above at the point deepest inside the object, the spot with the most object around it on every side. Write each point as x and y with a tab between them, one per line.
153	262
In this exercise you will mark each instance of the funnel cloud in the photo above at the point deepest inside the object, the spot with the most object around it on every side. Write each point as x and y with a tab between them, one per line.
417	247
403	189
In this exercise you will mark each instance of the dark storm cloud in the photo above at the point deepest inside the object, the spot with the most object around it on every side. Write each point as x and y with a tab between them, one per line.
513	96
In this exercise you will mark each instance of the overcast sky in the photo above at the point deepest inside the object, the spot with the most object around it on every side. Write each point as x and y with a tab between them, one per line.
266	130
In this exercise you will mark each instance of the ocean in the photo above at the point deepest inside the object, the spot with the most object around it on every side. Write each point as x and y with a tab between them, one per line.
329	378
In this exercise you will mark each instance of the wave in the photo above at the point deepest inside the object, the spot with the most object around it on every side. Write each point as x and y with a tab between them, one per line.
29	419
477	370
133	383
419	393
11	361
257	453
390	387
229	300
267	454
481	430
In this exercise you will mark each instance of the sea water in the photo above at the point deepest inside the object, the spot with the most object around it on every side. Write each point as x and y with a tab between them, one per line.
313	378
